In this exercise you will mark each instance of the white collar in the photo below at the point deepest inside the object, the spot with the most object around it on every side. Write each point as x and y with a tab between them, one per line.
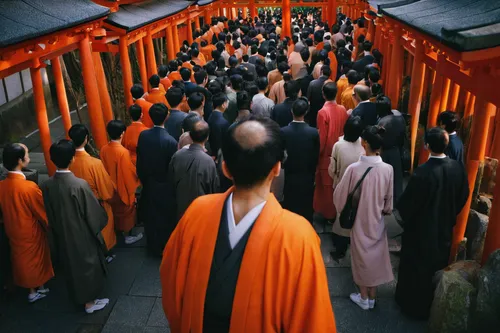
80	149
453	133
19	173
63	171
117	141
367	101
159	126
137	122
367	53
371	159
298	121
155	88
237	231
440	156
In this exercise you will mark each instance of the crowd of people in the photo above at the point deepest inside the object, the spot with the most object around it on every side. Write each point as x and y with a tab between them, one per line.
232	149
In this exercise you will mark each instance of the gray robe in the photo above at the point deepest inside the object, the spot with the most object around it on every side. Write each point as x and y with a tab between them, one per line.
193	173
77	218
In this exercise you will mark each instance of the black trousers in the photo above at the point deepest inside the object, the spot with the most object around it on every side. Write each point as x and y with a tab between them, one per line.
341	243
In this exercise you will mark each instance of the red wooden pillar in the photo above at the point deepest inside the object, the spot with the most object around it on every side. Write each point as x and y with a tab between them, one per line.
453	97
41	117
286	28
189	24
126	71
253	9
333	13
141	59
62	99
175	32
208	17
170	42
150	54
445	94
107	108
378	33
197	22
475	156
396	68
416	91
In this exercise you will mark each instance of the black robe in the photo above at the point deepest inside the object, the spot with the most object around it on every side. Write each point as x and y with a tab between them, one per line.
434	197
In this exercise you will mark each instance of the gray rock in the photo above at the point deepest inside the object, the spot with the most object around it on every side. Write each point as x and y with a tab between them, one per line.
468	270
477	225
487	313
483	205
453	299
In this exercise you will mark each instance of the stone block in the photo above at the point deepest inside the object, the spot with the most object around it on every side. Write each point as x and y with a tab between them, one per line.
487	313
477	224
131	311
453	299
468	269
147	281
488	176
157	317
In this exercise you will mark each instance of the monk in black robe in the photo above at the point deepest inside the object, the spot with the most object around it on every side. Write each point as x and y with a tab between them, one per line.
429	207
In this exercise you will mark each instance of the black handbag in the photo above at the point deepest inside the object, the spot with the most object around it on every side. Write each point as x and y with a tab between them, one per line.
348	214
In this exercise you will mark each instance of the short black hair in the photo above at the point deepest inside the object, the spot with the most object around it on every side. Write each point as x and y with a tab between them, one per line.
367	45
195	100
245	57
243	100
353	129
236	81
115	129
173	65
373	136
352	77
12	153
200	76
437	139
78	133
61	153
233	61
135	112
154	81
250	163
174	96
449	119
219	99
292	89
200	131
137	91
330	91
300	107
185	73
158	112
162	70
262	83
383	106
326	70
195	52
189	121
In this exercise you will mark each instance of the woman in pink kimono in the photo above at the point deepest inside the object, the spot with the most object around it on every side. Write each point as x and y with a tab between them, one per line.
371	265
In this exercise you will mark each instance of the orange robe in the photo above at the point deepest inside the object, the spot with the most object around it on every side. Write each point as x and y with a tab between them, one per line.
346	100
174	76
145	106
320	46
207	51
118	164
333	65
25	221
342	83
131	137
358	32
92	171
156	96
165	82
281	286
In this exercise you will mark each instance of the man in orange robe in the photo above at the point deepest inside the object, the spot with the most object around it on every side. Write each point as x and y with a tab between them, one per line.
118	164
25	222
347	99
173	69
138	94
131	136
164	80
206	49
92	171
248	265
155	95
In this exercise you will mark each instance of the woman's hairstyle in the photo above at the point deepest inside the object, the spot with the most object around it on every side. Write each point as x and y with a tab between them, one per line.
373	136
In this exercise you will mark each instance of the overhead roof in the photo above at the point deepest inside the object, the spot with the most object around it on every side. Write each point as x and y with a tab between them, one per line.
464	25
136	15
389	3
205	2
21	20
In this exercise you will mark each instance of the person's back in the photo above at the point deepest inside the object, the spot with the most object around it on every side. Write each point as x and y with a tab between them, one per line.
173	124
455	149
131	135
218	124
231	251
155	95
365	109
315	95
435	195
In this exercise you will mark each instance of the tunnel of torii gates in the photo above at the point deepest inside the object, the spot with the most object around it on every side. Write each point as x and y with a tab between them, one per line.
457	81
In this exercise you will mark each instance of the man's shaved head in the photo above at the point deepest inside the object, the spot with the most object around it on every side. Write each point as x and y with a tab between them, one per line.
251	148
363	92
199	132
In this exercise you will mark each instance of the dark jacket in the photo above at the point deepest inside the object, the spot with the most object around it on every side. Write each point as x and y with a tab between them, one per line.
367	111
173	124
359	66
208	108
218	127
316	100
455	149
250	68
282	113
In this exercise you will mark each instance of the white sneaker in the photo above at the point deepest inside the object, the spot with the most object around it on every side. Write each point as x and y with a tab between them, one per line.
99	304
133	239
371	303
362	303
35	297
43	290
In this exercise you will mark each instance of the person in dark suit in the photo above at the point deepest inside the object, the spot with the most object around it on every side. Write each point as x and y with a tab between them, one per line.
173	123
368	58
250	67
315	95
301	143
201	78
186	78
366	110
455	150
218	124
155	148
282	113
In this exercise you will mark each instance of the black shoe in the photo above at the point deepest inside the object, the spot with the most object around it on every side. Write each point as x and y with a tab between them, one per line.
337	255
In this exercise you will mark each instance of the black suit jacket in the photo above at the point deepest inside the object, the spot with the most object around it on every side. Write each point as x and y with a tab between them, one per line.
359	66
208	108
316	100
367	112
188	87
173	124
282	113
218	127
250	68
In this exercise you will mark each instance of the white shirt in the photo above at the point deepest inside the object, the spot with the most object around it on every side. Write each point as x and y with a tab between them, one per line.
367	101
80	149
440	156
298	121
63	171
237	231
19	173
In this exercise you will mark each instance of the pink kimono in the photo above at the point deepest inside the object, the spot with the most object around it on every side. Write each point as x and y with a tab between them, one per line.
371	264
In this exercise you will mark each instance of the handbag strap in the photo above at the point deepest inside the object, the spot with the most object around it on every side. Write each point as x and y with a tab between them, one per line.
360	181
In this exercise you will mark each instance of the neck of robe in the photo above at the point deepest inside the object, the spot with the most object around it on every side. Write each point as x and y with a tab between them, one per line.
244	200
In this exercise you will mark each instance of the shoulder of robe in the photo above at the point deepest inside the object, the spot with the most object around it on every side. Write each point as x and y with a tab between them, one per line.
296	228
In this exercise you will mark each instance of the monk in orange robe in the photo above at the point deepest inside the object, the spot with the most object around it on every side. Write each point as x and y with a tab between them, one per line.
118	164
206	49
155	95
138	94
248	265
131	136
164	80
347	99
92	171
25	221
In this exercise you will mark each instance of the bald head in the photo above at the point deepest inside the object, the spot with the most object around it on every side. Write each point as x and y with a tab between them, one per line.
199	132
251	148
363	93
